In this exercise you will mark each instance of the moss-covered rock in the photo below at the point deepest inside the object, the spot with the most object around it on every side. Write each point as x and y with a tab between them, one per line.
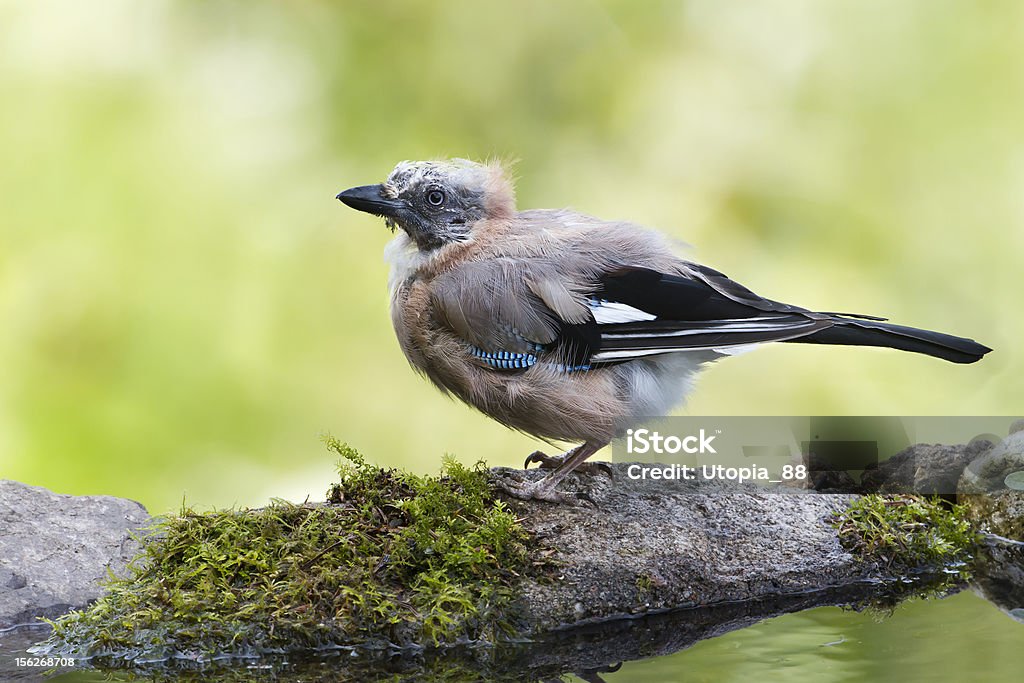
397	560
391	559
1000	513
906	533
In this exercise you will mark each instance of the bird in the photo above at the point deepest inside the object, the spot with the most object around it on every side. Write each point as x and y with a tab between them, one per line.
567	327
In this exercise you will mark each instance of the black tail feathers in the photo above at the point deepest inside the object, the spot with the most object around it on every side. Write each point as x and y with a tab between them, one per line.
862	332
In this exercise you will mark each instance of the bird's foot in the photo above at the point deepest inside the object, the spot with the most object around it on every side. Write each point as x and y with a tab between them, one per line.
553	462
539	490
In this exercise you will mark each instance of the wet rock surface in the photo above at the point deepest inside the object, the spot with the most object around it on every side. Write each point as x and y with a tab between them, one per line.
56	549
1000	575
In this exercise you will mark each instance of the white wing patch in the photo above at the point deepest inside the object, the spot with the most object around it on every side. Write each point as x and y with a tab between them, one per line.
703	330
626	354
728	337
736	350
633	353
611	312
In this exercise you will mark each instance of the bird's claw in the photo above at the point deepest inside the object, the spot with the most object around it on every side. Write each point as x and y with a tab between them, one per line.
539	490
544	460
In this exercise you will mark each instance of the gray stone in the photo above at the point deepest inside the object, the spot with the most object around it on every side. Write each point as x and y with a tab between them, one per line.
988	474
831	481
924	468
55	550
649	546
991	502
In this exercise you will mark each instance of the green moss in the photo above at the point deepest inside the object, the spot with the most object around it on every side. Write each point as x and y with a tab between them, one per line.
906	533
392	558
1000	512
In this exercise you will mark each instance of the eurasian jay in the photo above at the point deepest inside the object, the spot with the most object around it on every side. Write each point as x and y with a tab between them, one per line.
568	327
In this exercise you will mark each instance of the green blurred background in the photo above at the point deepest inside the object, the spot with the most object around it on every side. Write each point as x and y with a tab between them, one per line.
184	307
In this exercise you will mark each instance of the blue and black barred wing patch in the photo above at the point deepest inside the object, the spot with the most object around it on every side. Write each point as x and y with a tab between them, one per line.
511	360
506	360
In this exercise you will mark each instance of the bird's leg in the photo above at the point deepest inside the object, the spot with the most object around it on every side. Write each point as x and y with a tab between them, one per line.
545	488
553	462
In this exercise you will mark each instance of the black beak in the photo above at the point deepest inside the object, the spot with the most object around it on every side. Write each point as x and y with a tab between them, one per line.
370	198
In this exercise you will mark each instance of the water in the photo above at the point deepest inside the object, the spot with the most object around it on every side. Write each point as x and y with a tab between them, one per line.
959	638
962	637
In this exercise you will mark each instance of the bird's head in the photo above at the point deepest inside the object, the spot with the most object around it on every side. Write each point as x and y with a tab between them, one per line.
436	202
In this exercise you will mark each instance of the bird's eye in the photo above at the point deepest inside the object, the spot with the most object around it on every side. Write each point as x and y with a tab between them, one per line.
435	197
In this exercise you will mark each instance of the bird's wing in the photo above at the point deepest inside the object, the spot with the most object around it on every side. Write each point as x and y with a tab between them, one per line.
643	312
513	311
504	305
